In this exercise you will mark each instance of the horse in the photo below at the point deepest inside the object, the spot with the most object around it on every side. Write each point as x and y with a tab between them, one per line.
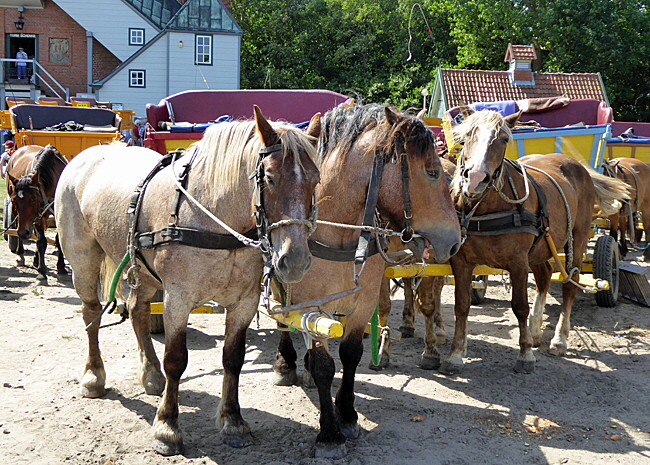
505	210
411	195
174	223
32	176
637	174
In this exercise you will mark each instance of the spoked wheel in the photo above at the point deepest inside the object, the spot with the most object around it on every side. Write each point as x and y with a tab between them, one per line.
478	294
606	258
7	220
156	322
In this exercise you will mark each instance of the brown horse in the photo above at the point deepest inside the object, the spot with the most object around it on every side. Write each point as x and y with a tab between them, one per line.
181	231
637	174
353	144
32	176
514	213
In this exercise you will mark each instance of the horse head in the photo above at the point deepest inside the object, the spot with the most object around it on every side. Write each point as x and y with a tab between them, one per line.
25	200
414	193
484	136
289	176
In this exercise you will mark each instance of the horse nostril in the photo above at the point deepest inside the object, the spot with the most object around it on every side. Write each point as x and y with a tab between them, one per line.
454	249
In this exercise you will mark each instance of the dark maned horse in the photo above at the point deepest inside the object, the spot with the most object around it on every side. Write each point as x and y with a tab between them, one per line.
182	247
32	176
352	142
637	174
553	200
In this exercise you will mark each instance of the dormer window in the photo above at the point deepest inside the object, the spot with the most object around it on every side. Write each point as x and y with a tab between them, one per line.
520	58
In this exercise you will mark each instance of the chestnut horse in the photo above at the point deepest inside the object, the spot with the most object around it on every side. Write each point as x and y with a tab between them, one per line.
355	142
32	176
183	214
514	213
637	174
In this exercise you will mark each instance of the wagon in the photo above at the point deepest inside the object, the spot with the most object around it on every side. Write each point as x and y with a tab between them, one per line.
33	124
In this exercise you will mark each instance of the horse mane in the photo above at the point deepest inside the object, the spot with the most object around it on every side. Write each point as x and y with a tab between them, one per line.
49	164
341	127
229	152
484	119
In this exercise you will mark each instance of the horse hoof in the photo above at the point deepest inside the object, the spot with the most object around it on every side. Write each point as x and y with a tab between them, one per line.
93	392
20	261
238	441
63	272
407	331
537	341
330	451
449	369
524	367
41	279
285	378
167	448
429	363
441	339
558	350
351	431
308	380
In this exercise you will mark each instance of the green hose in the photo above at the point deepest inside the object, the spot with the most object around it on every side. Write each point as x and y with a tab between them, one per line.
374	335
116	277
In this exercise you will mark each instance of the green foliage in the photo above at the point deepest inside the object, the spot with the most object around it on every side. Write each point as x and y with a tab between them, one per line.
381	50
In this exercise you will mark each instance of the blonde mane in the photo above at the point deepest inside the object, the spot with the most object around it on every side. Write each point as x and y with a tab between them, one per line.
228	153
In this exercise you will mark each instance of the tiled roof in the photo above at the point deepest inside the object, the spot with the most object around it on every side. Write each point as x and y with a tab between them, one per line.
462	86
520	52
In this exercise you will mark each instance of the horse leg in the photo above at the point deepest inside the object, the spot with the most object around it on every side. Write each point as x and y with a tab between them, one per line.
542	275
330	442
20	252
149	373
167	434
646	229
430	304
350	352
526	360
453	363
407	328
384	312
284	368
60	262
236	432
39	258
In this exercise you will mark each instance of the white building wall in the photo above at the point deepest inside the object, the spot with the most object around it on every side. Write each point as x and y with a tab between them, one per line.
179	73
109	21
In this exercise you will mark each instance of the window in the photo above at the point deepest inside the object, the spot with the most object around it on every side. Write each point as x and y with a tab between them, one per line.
203	50
136	36
137	78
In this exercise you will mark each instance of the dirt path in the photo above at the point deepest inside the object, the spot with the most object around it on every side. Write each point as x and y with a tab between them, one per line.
591	407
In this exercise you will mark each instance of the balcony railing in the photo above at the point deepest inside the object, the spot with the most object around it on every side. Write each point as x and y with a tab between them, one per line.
36	74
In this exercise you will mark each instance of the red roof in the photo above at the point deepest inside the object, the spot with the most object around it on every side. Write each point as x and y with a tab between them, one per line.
520	52
463	86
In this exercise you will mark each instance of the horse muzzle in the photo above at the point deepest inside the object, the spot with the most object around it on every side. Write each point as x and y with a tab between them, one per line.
291	262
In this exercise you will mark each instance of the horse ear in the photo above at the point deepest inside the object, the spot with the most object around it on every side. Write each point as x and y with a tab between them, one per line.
391	116
511	120
13	181
421	114
266	132
314	128
466	110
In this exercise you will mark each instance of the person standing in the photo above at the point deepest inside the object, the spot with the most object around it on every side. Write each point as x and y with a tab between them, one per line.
10	148
21	65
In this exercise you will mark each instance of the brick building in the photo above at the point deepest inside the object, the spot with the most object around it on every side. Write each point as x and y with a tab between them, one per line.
130	52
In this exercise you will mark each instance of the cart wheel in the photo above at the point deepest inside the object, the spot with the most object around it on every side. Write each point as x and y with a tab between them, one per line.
156	321
606	258
8	218
478	295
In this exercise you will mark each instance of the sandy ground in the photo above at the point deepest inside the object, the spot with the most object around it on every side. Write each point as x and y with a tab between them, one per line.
591	407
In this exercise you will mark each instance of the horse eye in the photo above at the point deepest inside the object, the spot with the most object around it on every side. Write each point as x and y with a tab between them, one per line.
433	173
269	180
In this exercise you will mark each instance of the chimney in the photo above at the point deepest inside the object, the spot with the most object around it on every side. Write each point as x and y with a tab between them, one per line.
520	58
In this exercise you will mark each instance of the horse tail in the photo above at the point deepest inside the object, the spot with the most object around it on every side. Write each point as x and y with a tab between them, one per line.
610	193
106	277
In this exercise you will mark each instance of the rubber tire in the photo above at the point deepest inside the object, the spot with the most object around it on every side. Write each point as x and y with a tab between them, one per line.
13	241
478	295
156	321
605	266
